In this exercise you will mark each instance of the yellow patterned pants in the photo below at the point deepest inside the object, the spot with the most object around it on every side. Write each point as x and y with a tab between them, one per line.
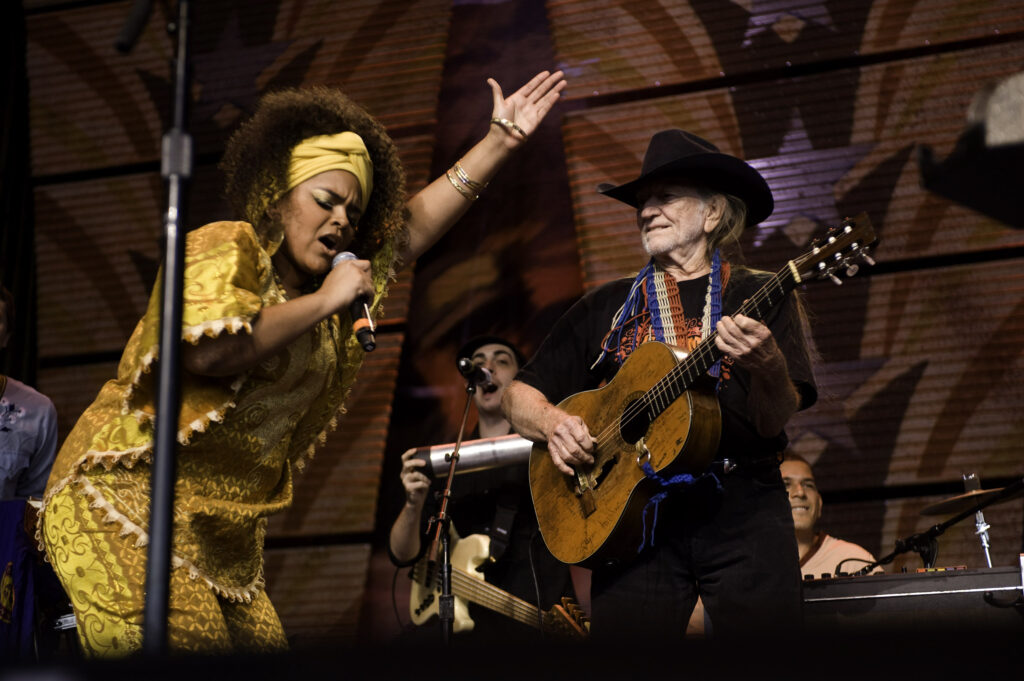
104	576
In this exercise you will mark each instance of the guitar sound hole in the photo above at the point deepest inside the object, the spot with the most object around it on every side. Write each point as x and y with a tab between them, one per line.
634	423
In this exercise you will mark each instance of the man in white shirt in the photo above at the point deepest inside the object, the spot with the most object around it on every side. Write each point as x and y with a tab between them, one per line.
820	554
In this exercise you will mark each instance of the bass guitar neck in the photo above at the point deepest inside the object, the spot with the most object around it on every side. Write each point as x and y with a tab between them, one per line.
469	586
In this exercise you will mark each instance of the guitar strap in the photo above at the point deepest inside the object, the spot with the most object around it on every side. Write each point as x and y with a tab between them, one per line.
504	516
653	311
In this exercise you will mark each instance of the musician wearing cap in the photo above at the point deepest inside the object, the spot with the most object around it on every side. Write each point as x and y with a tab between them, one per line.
268	357
494	503
724	532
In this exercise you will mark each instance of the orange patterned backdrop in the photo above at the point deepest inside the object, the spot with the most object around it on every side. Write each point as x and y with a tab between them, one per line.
921	367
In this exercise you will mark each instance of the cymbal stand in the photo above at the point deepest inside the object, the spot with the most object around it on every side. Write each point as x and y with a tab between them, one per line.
442	526
925	542
972	483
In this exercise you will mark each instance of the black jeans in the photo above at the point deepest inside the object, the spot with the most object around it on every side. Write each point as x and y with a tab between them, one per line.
734	547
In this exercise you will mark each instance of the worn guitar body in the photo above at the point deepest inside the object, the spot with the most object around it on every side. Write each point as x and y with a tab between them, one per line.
596	515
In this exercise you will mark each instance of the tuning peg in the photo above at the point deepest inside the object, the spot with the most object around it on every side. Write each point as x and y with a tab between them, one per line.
852	269
867	258
826	271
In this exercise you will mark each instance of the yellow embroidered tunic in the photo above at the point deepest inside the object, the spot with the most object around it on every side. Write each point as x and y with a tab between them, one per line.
240	437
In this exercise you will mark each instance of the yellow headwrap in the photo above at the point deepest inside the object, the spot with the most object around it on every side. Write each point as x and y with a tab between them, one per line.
343	151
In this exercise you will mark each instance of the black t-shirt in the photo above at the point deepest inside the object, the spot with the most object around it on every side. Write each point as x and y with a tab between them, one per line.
563	364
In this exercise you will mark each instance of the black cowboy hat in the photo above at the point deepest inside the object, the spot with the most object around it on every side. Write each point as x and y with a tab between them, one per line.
677	152
473	344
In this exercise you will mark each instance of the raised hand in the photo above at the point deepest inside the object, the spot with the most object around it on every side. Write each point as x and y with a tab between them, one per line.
521	112
436	207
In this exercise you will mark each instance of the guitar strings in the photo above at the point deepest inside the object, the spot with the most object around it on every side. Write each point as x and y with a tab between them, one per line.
498	601
483	593
705	350
670	383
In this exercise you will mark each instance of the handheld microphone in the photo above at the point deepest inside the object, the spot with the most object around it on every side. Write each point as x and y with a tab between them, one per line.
476	374
362	325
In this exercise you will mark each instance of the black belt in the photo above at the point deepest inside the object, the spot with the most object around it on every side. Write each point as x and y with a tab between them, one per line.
751	467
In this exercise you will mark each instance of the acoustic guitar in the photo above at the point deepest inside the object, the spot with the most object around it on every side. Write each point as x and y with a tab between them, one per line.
565	620
660	409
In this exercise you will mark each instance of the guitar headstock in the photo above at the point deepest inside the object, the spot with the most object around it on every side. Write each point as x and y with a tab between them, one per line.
567	620
842	249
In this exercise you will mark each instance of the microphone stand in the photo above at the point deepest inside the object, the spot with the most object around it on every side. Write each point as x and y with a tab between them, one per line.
442	538
925	542
176	168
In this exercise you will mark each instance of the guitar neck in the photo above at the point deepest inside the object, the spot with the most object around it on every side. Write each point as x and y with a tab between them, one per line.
697	363
491	597
477	591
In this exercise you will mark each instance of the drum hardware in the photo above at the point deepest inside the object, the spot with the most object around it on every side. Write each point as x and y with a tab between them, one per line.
969	503
972	484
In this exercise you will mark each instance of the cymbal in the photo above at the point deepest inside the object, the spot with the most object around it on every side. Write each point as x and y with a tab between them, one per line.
966	501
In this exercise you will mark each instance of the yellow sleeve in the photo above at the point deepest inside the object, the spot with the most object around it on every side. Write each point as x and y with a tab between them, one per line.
227	276
224	280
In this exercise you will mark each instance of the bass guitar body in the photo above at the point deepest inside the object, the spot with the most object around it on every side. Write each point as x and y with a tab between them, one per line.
467	555
596	515
564	620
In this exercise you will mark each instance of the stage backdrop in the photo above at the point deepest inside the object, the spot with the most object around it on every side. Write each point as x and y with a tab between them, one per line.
921	367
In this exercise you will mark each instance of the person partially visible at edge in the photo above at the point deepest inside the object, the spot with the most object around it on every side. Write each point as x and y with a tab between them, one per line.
494	502
28	426
28	447
728	536
268	358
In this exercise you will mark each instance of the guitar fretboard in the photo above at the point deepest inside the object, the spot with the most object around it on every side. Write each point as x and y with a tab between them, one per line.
478	591
684	375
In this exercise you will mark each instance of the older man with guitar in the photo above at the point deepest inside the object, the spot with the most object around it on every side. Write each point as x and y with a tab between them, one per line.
659	468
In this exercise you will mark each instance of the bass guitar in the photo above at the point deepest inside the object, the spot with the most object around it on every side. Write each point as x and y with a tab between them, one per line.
660	409
565	620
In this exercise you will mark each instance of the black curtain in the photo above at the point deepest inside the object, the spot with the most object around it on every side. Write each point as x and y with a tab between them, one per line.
17	223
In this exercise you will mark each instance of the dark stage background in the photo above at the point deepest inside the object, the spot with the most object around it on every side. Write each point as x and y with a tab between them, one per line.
921	356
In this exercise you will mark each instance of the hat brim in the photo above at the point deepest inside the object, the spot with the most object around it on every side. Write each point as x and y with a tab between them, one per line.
721	172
